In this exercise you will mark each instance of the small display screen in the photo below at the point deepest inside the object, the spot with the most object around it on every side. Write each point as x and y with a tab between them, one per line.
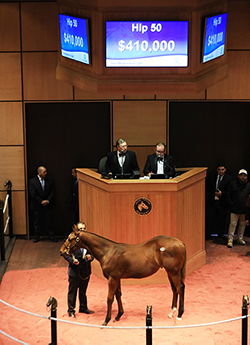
147	44
74	38
214	37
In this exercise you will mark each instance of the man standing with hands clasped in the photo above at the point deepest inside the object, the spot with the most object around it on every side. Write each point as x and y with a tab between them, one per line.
41	190
217	213
79	273
238	193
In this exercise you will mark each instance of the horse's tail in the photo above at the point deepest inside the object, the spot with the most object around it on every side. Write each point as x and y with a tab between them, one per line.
183	269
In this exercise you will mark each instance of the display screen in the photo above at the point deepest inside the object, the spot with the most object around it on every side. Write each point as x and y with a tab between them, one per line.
147	44
214	37
74	38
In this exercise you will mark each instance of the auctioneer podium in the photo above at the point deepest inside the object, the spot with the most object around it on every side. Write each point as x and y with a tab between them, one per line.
133	211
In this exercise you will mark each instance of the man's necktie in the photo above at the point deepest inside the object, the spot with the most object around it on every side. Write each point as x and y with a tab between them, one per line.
218	182
42	183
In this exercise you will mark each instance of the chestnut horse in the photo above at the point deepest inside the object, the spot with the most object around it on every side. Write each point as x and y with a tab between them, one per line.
120	260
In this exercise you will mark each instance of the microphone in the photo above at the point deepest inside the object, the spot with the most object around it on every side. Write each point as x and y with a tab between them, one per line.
172	169
166	165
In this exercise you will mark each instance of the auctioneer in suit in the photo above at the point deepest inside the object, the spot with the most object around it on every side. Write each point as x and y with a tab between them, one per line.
129	163
151	165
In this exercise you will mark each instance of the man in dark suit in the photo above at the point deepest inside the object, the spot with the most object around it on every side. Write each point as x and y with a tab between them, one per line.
73	202
41	190
160	162
122	161
217	209
79	274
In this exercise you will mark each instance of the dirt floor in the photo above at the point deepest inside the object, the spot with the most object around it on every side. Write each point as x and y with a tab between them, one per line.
213	293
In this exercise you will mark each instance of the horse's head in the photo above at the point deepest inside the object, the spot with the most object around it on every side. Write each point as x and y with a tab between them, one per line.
142	206
72	243
52	302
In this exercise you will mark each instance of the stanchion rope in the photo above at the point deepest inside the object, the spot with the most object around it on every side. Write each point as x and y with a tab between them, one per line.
119	327
6	203
4	209
15	339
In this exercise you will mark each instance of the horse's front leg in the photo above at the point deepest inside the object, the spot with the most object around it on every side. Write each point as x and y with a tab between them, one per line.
112	289
118	295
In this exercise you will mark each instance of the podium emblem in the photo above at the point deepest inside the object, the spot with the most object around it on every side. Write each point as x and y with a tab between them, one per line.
142	206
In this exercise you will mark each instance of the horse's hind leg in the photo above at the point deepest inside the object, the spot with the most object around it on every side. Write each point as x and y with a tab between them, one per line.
180	287
112	289
174	300
181	301
118	295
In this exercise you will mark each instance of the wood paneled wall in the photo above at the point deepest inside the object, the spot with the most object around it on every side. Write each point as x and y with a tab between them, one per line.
28	58
9	18
12	160
143	123
11	128
39	78
237	84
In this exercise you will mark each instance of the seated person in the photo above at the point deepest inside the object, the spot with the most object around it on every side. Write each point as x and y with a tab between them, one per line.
122	161
160	162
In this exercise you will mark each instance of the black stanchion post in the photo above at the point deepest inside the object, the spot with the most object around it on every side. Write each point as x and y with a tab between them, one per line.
53	328
245	303
2	231
149	323
53	303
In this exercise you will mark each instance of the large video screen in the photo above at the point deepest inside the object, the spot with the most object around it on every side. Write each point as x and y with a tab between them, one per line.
74	38
147	44
214	37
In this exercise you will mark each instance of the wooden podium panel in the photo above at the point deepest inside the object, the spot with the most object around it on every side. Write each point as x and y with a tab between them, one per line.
177	208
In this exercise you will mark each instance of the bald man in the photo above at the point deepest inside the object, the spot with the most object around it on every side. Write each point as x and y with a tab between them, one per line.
41	191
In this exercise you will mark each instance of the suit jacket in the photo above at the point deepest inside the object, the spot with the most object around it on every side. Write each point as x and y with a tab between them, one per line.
211	185
237	196
151	165
83	270
37	194
130	163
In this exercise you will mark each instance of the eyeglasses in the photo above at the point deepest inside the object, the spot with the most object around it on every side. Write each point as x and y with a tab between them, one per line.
160	151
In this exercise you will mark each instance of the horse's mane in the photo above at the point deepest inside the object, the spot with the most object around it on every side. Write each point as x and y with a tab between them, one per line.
104	238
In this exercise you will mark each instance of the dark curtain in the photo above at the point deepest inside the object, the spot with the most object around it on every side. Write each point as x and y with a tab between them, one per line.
61	136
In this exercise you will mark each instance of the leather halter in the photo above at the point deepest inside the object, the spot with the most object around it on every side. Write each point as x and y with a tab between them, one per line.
77	239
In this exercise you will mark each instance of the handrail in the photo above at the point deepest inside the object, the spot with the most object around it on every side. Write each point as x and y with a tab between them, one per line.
6	208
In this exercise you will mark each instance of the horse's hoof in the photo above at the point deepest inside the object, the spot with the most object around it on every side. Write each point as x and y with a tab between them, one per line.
104	324
171	314
178	318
